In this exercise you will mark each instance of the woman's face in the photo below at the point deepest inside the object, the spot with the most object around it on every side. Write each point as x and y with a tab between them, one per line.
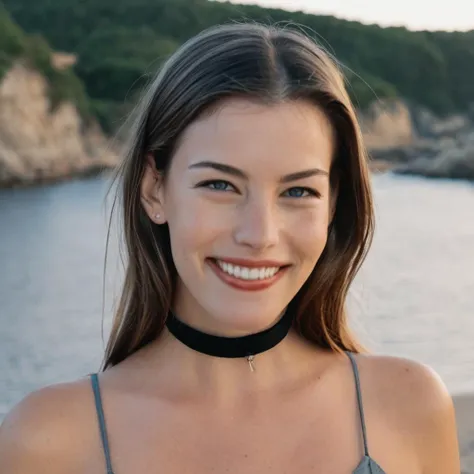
248	204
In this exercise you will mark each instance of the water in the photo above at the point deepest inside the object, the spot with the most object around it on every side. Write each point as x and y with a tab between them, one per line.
414	297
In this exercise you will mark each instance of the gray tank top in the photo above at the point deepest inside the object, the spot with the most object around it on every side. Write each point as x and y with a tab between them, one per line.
366	466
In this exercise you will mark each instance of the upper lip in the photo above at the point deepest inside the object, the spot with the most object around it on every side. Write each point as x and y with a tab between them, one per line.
252	263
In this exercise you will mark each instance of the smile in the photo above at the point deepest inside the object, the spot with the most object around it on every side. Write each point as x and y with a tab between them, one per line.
249	278
247	273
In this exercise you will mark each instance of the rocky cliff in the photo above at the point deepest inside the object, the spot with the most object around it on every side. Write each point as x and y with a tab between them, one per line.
412	140
39	144
387	124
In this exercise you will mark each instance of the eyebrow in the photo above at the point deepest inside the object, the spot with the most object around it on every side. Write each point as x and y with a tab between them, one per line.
241	174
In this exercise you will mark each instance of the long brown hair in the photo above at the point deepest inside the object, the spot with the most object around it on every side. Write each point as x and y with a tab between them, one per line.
264	63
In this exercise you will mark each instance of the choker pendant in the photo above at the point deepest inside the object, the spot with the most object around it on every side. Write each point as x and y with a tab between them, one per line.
250	360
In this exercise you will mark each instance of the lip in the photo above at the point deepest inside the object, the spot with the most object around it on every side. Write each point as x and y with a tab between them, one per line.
247	285
251	263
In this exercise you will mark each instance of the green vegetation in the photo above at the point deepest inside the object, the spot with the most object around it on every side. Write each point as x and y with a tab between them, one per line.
120	43
12	42
63	84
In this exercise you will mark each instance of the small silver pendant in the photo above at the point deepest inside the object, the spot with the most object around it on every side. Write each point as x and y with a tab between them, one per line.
250	359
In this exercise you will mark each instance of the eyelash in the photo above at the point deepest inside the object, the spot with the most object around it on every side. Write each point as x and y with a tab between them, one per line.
206	184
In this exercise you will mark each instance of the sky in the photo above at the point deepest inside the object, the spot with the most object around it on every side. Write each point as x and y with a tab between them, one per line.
414	14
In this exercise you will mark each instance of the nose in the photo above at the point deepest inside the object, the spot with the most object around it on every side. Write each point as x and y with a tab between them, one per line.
257	224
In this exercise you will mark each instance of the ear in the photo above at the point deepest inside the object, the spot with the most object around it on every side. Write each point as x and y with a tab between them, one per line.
152	191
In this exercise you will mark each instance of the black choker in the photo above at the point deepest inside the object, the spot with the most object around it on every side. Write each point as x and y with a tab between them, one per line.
230	347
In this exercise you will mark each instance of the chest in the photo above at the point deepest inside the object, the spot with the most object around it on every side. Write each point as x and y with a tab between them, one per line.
315	434
276	441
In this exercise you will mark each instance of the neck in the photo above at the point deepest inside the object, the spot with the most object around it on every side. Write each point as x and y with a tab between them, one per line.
224	381
248	346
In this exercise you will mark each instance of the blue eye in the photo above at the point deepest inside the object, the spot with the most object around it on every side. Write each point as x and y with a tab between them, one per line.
297	192
216	185
301	192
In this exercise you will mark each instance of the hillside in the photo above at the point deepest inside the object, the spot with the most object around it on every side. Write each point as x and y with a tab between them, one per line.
414	91
47	130
121	43
64	85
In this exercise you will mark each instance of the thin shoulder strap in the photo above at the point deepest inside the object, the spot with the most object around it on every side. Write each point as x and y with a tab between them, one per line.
101	418
359	400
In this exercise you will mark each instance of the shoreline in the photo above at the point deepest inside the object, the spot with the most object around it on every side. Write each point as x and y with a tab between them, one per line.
47	180
464	406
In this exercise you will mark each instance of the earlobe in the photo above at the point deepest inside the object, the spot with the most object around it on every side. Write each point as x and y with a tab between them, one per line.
151	194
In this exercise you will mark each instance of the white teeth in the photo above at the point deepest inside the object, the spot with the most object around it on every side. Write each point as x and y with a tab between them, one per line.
245	273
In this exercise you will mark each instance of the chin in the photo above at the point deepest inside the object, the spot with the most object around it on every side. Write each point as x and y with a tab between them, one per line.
245	318
224	310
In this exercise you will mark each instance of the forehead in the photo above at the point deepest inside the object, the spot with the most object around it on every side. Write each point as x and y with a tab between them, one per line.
256	137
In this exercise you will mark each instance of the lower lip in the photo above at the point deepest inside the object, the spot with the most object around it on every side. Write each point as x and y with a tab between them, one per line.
246	285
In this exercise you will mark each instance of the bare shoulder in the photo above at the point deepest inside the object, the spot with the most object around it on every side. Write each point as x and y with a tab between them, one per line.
47	431
404	383
412	396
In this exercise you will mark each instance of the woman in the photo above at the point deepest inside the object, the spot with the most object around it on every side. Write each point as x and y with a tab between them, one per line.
247	212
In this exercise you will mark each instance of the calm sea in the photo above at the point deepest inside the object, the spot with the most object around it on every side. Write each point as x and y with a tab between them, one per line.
413	298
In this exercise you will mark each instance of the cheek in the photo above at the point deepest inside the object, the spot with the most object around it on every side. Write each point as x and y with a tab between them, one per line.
193	223
309	232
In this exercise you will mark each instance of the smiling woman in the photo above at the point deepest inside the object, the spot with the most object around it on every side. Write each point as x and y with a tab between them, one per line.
249	200
247	213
